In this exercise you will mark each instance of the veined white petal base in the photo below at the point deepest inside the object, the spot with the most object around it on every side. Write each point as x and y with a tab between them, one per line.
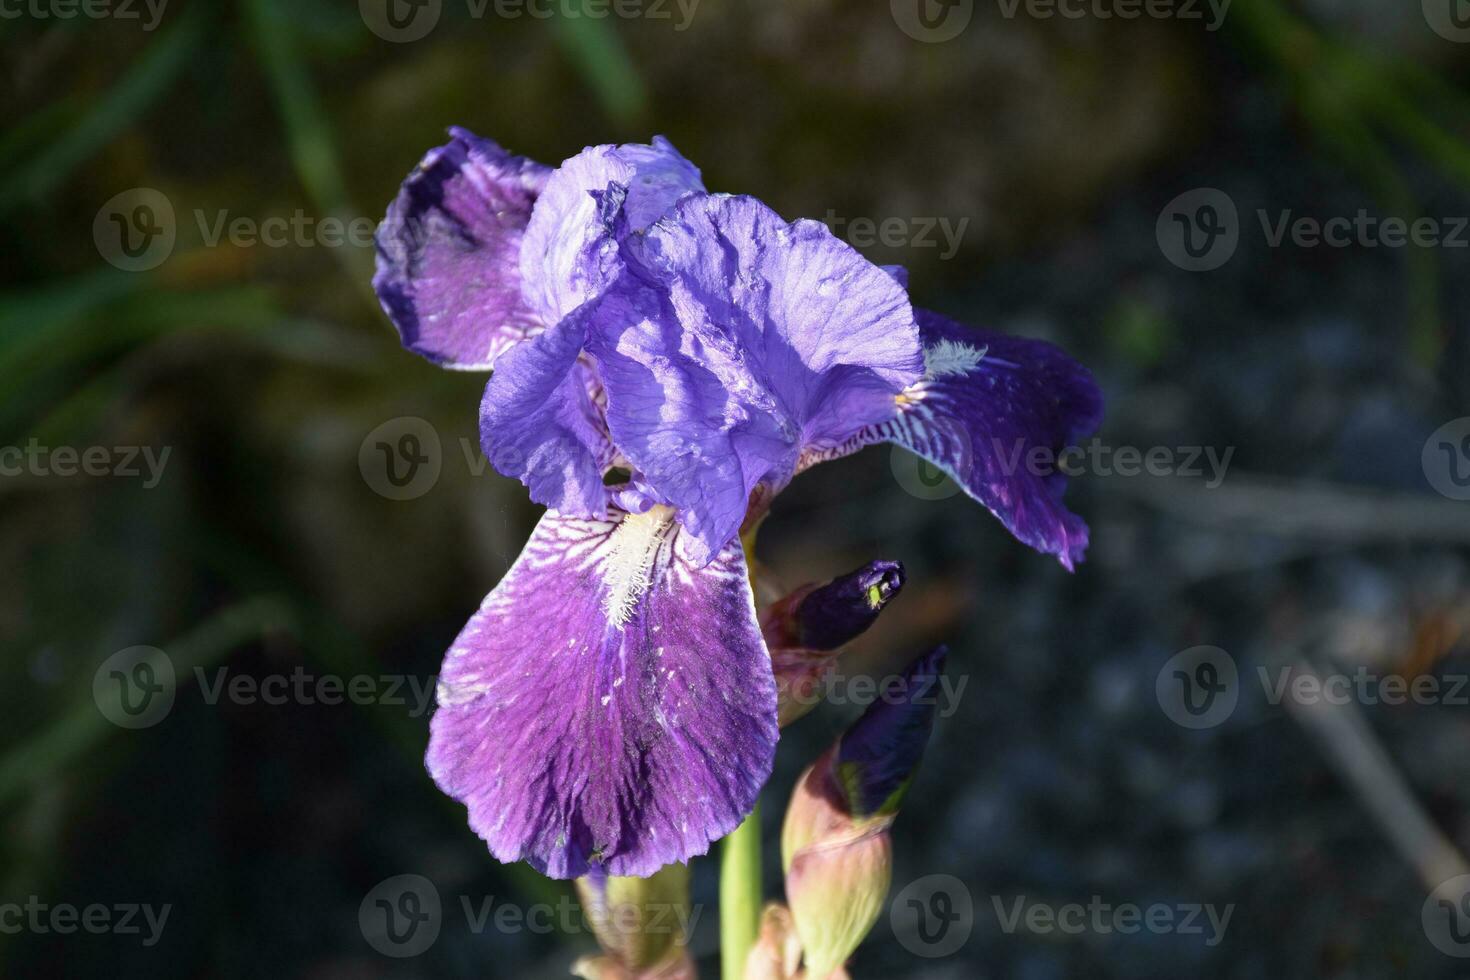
579	744
629	564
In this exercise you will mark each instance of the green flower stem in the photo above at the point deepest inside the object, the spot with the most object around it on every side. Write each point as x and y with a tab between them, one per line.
740	895
740	860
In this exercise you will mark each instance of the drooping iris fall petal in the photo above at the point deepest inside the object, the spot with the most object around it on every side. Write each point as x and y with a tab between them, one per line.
986	401
611	705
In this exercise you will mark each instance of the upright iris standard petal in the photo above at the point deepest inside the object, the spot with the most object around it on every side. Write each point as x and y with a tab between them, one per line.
449	249
570	250
736	341
610	706
541	421
986	403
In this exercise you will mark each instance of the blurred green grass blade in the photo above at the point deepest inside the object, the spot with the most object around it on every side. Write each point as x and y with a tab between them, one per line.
39	367
83	726
85	406
110	314
39	127
308	132
30	317
314	153
124	101
599	55
1341	89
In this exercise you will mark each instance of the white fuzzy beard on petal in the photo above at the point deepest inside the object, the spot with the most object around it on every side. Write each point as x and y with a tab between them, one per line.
629	566
951	357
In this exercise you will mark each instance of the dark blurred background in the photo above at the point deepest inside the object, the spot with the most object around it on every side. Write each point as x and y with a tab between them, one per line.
151	306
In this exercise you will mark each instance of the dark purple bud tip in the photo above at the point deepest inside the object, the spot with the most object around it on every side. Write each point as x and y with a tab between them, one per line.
835	613
878	755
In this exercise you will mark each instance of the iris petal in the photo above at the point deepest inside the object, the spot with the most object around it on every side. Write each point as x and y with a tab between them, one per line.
541	421
570	250
449	250
986	402
735	341
610	706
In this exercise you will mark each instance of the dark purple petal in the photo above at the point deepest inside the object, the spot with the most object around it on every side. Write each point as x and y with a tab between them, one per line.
570	250
448	271
541	422
736	341
987	401
610	706
877	756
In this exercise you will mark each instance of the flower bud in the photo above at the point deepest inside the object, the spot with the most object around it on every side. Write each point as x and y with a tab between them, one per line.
804	630
640	923
776	954
878	756
835	845
824	617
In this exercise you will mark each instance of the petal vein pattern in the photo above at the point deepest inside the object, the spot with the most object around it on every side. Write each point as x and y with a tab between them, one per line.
986	401
578	742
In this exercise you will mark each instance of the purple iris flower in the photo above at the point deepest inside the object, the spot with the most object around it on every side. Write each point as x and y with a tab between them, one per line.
611	706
